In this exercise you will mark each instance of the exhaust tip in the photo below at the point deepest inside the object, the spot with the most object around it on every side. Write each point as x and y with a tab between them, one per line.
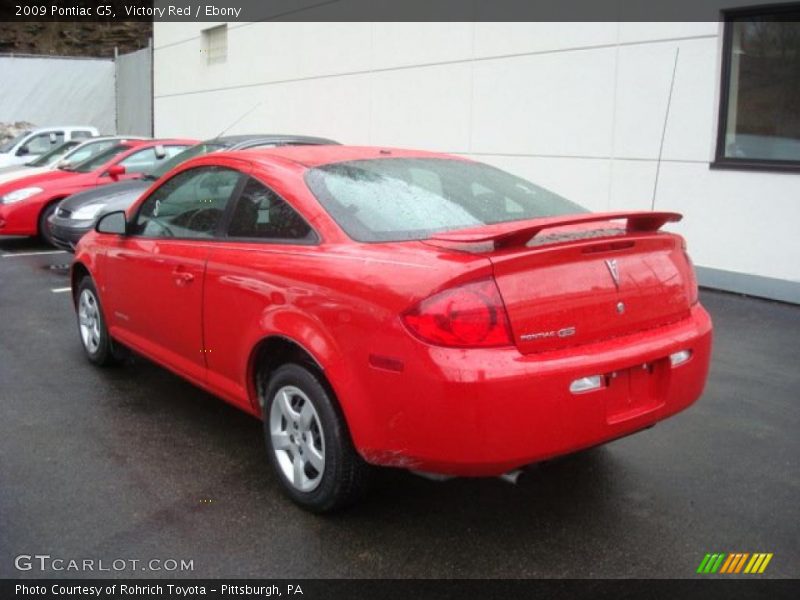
511	477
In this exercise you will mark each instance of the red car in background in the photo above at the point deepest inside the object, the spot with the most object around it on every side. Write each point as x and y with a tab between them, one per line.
397	308
26	204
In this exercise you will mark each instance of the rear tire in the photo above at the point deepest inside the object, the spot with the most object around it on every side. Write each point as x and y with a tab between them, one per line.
308	442
44	225
96	341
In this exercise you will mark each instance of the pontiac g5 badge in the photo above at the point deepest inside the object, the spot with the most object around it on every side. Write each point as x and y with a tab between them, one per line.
539	335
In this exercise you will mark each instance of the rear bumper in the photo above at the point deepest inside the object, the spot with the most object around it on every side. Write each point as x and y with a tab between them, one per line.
485	412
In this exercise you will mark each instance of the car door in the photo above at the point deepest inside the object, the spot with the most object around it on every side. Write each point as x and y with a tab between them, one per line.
155	273
251	275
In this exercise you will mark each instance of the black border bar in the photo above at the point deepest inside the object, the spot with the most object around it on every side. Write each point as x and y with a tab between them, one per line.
705	587
371	10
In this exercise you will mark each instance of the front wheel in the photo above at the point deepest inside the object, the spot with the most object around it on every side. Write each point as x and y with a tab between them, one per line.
44	223
308	442
96	341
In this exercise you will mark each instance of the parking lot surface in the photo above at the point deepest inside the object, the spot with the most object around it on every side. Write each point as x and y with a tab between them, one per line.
135	463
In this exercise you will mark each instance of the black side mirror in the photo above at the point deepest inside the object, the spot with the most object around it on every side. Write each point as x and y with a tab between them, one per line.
113	222
23	151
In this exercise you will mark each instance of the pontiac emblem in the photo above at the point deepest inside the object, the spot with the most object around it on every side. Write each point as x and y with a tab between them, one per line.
612	268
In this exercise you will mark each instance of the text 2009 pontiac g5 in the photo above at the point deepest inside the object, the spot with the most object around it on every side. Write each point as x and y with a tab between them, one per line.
397	308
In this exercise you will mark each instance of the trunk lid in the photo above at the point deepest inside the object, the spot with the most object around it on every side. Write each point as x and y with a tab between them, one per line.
585	282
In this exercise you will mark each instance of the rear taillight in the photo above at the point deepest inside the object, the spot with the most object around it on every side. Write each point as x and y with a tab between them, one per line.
467	316
694	294
692	282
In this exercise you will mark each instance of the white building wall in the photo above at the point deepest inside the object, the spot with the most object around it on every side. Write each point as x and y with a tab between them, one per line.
577	107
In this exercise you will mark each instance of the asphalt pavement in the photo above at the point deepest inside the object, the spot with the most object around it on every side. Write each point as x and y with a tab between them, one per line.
134	463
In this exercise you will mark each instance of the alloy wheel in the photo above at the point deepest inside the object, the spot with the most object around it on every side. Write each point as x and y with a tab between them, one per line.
89	321
297	438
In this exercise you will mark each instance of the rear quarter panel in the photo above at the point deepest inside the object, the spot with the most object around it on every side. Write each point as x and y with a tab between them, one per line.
340	302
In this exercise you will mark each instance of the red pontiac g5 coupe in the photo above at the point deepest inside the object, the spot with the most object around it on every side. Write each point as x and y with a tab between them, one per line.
26	204
397	308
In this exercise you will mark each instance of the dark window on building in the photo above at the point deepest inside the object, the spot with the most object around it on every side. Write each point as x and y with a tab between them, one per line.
759	121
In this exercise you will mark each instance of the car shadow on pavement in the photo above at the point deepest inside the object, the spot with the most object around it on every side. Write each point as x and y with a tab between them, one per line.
23	244
218	436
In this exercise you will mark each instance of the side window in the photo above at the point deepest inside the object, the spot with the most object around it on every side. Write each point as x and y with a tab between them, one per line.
39	144
189	205
89	150
142	161
81	134
261	213
145	160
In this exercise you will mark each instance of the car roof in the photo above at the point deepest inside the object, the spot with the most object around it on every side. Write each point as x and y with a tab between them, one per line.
110	138
55	127
117	137
136	143
157	141
133	145
314	156
268	138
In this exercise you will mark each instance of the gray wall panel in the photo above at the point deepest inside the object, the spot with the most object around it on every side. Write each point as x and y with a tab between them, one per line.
135	93
58	91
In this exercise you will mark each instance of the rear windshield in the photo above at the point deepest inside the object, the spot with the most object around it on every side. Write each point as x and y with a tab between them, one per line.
394	199
98	160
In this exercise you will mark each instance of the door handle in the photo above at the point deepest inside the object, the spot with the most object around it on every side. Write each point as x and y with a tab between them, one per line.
182	277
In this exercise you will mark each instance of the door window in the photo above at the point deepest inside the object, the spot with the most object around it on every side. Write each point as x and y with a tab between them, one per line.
189	205
261	213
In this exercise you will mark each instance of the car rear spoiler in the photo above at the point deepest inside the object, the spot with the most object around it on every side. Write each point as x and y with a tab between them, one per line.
519	233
